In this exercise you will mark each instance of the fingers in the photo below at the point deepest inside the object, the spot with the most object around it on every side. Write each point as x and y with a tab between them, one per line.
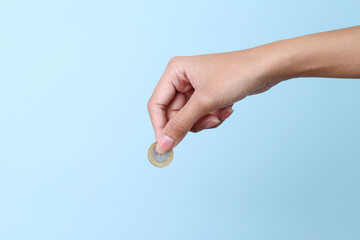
224	113
162	96
211	120
179	125
176	104
208	121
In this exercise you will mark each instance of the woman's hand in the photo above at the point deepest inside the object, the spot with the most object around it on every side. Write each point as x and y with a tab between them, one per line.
197	92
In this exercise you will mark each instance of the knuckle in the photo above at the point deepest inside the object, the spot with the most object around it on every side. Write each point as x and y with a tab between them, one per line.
149	105
174	61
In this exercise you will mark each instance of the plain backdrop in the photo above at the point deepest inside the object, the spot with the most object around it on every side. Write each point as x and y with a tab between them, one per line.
75	78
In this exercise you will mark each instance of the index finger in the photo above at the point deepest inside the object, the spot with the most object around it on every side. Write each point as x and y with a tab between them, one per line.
163	94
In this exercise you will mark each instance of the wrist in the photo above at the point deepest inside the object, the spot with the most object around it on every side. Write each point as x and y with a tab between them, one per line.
288	59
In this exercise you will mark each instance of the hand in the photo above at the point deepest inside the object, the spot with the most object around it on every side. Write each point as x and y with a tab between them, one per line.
197	92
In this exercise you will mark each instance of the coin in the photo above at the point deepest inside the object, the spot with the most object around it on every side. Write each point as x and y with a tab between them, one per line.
158	159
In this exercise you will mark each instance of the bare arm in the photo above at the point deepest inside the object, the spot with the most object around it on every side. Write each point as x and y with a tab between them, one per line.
197	92
334	54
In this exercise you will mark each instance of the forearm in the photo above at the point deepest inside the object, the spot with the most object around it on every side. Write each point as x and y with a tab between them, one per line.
334	54
197	92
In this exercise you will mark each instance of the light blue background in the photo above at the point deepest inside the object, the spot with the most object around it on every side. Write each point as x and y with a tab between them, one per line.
75	77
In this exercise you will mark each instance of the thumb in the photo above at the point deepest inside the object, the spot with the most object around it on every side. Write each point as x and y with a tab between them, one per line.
179	125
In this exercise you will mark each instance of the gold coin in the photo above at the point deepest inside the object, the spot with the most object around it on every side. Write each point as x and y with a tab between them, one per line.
157	159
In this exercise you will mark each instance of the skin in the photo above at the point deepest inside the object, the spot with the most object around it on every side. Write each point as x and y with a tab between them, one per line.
197	92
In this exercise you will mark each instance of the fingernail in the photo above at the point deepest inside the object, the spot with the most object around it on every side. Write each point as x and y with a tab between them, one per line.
227	113
165	144
212	123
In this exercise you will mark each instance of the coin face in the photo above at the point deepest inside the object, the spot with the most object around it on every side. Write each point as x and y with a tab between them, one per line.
157	159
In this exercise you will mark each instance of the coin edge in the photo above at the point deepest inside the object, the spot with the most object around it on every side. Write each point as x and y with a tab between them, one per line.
155	163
